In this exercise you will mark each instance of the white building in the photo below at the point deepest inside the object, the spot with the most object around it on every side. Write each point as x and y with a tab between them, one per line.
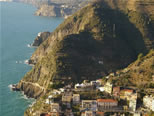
132	104
108	88
96	83
101	89
137	114
148	101
99	82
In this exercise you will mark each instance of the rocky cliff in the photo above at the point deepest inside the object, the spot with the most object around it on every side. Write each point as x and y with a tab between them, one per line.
56	8
99	39
42	36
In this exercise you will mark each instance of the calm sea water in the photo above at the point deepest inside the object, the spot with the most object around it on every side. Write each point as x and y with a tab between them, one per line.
18	28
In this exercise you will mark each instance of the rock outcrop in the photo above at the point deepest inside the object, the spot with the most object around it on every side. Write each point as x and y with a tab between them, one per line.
32	90
42	36
48	10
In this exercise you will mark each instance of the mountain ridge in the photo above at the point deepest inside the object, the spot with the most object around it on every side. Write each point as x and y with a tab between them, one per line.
88	45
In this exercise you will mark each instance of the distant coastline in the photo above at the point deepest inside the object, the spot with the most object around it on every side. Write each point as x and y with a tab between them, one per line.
5	0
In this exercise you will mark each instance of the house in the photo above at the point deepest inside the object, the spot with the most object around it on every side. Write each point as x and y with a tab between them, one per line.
89	105
148	101
56	92
54	113
88	113
106	103
128	91
99	113
93	83
99	82
96	83
116	91
85	81
108	87
76	98
126	94
84	87
112	74
62	89
66	99
47	101
132	98
55	107
129	95
132	104
68	112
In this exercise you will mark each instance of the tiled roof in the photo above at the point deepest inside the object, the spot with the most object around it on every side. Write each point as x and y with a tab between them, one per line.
127	90
106	100
99	112
116	87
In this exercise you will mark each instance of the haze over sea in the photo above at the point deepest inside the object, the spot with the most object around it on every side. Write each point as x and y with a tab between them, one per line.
18	28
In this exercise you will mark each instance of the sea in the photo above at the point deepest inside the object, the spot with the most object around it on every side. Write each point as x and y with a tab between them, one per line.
18	29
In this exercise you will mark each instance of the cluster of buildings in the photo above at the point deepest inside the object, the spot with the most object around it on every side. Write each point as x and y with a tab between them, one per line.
121	100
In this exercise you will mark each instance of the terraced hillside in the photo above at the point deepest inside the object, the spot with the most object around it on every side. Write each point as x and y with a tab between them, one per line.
139	74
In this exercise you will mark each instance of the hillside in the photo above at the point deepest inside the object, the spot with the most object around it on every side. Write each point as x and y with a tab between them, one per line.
139	74
88	45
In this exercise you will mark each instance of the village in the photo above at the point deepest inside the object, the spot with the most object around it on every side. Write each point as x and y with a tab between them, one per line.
93	98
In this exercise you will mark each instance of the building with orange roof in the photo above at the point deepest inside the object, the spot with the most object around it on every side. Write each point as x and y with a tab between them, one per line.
107	103
126	94
99	113
88	113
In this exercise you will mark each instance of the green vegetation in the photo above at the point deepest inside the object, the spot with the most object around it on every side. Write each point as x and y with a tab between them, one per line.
140	56
56	85
139	74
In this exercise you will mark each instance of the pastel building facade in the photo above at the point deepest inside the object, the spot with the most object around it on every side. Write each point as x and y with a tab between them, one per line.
148	101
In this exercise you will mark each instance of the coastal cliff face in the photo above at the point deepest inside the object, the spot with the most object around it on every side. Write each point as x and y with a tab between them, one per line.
93	42
48	10
42	36
56	8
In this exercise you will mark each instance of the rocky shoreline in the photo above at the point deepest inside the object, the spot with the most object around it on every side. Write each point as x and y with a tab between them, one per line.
31	90
41	37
